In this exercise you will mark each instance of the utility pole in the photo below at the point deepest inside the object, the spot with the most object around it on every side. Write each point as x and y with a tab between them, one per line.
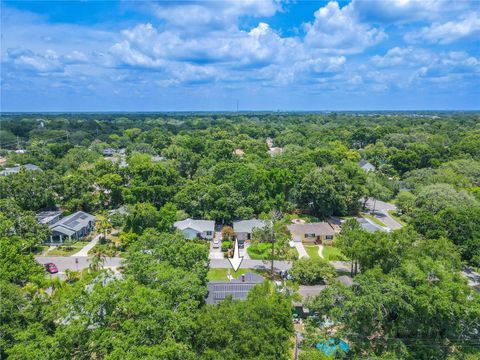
273	248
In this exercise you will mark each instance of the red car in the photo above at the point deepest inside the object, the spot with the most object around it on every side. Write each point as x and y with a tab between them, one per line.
51	268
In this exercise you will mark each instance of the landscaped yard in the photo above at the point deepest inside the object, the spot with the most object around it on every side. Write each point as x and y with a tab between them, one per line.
312	251
66	250
332	253
263	251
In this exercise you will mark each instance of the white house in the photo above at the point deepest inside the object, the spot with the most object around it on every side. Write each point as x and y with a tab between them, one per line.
203	229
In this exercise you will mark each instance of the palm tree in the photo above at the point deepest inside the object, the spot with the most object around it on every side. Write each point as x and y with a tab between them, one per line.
98	260
103	224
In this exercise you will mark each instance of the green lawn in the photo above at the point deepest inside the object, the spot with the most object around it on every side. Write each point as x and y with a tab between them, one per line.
374	219
312	251
66	250
221	274
263	251
331	253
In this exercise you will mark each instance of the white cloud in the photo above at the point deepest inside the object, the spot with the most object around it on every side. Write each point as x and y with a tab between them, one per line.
337	30
388	11
448	32
213	15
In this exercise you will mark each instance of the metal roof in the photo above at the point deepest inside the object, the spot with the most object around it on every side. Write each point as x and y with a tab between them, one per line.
75	221
16	169
247	226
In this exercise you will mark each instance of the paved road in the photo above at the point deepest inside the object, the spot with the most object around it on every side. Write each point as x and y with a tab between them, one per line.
381	213
68	262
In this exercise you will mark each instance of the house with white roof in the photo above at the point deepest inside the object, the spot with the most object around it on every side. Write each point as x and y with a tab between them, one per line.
191	228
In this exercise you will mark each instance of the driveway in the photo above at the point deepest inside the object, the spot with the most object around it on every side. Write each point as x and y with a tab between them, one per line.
381	213
302	253
84	251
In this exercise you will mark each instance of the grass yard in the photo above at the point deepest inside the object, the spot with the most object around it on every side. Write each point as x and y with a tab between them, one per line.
221	274
66	250
312	251
331	253
263	251
373	218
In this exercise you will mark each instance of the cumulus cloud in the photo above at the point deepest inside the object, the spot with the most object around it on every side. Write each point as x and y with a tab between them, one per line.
448	32
212	15
336	29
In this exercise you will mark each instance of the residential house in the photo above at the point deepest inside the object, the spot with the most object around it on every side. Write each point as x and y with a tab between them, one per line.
109	151
16	169
273	151
72	227
48	217
243	229
318	233
237	289
203	229
366	166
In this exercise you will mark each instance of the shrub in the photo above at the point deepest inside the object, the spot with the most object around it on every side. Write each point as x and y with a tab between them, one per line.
226	245
312	272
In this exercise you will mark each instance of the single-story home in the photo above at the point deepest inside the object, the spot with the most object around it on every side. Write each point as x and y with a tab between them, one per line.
48	217
243	229
238	289
203	229
16	169
366	166
72	227
319	233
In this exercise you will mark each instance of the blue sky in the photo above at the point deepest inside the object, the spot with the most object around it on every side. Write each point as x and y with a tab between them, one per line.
267	54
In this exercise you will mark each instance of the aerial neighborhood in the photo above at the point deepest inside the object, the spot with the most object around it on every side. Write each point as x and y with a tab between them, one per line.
204	228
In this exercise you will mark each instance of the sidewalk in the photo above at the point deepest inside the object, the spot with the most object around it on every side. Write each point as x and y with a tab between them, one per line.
84	251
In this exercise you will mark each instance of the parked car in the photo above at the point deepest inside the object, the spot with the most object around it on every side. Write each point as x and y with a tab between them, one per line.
216	244
51	268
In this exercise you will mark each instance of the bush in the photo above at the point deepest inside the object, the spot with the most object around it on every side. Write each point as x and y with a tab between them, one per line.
226	245
312	272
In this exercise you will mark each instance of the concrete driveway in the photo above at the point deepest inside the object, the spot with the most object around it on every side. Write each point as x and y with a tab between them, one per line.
302	253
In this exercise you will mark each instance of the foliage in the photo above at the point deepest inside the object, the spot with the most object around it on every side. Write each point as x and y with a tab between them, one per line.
312	272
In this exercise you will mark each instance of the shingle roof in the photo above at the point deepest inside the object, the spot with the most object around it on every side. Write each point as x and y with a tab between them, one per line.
237	289
247	226
198	225
318	228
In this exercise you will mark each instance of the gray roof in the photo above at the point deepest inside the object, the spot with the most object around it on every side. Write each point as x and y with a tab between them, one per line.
247	226
318	228
197	225
45	217
16	169
75	221
369	226
364	164
237	289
